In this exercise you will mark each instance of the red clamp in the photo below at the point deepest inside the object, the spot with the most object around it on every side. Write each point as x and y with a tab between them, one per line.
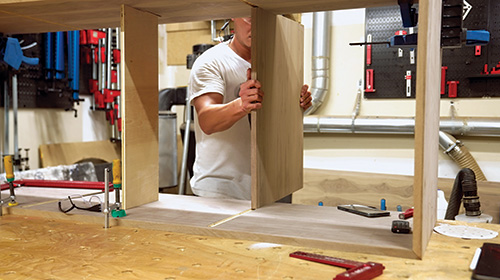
443	78
83	37
452	88
109	95
103	54
86	57
93	36
110	116
114	77
95	54
99	99
93	86
369	81
116	56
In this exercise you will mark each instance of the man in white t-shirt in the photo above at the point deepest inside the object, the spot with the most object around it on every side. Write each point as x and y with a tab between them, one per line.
223	94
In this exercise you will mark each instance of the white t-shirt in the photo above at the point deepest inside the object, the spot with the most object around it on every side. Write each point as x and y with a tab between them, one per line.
222	164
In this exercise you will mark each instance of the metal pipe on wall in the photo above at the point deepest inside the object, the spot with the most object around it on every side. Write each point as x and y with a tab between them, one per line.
380	125
320	66
451	146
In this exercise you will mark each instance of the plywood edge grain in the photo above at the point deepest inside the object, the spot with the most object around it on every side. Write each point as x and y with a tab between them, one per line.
426	122
139	84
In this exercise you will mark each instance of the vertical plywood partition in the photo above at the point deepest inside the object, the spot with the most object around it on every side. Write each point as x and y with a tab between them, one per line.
426	122
139	83
277	129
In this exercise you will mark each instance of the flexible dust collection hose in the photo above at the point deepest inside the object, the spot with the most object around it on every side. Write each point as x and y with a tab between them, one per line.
460	154
464	186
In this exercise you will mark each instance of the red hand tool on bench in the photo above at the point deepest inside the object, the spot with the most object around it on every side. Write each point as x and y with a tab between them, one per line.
356	270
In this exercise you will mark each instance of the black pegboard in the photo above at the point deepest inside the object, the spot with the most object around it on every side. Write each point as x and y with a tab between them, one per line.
34	91
463	65
389	69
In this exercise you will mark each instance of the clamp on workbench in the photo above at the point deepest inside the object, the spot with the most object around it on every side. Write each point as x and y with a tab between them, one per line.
114	209
9	175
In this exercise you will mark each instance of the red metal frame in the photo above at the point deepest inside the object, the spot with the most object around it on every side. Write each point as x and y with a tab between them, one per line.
58	184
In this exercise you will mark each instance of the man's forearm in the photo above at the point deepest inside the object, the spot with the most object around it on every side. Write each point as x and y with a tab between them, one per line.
219	117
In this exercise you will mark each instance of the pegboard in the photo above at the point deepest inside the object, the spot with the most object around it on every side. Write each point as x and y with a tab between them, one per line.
34	91
390	65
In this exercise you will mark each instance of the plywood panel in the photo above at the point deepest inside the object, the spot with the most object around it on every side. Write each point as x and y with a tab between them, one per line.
277	136
61	15
70	153
139	41
282	223
295	6
321	227
334	187
426	122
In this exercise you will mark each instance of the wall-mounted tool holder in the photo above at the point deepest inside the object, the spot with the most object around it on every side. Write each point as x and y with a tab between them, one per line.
33	88
470	71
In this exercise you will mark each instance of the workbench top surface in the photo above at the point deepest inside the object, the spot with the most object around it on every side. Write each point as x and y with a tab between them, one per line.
47	248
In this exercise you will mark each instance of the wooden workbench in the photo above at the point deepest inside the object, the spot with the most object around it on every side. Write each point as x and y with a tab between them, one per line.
139	78
46	248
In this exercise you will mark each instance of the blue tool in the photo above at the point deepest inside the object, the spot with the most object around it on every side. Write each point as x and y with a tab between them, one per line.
74	62
477	37
13	54
59	56
49	59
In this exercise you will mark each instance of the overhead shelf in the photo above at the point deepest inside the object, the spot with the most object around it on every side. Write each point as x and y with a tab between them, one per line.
18	17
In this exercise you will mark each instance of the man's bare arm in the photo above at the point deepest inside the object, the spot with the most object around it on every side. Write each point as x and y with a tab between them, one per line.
213	116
